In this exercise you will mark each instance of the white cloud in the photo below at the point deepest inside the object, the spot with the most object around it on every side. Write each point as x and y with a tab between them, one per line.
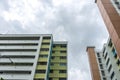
23	10
78	74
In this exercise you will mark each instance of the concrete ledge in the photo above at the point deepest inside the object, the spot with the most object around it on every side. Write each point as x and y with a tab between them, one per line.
89	47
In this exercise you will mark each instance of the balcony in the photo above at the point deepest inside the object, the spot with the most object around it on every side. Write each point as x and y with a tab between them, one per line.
43	59
41	66
37	75
46	41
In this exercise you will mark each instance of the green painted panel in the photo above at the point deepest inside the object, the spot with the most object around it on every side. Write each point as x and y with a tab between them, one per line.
45	46
59	67
46	40
59	54
41	67
39	75
44	52
43	59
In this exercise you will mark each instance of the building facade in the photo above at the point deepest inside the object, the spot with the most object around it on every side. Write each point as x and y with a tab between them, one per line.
110	11
32	57
105	64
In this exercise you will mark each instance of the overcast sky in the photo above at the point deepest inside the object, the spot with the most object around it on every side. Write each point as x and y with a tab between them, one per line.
77	21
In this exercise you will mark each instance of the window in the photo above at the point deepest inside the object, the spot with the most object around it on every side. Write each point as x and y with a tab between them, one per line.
47	43
114	52
43	56
98	54
40	71
110	67
112	75
18	44
63	57
50	79
101	66
44	49
110	43
16	50
104	78
15	56
118	62
42	63
103	73
99	59
106	55
62	79
53	51
116	1
108	60
52	64
16	64
116	4
47	37
15	72
20	38
104	50
63	51
63	46
39	79
51	71
54	46
63	64
53	57
62	71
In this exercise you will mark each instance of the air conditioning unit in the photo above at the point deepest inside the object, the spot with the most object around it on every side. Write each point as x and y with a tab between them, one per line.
116	1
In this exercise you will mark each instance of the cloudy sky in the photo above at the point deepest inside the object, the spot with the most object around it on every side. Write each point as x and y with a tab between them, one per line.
76	21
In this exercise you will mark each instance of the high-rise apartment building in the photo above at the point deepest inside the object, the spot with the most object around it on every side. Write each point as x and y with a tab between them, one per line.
105	64
32	57
110	11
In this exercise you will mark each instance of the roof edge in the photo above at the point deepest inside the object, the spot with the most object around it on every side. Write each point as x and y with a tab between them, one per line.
89	47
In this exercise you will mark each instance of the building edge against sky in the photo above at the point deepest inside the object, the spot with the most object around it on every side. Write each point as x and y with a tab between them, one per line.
32	57
106	62
110	11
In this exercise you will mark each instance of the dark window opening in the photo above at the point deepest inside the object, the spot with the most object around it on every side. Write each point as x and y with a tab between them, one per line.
114	52
47	43
112	75
15	72
110	67
16	64
47	37
42	63
103	73
40	71
63	57
98	54
43	56
19	38
106	55
108	61
63	64
62	79
101	66
44	49
99	59
63	51
62	71
110	43
63	46
51	71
